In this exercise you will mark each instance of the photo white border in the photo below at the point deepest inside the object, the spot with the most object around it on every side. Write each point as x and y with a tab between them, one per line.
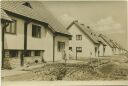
64	83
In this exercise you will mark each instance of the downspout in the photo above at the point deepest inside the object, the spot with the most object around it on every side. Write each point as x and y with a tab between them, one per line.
25	42
54	35
3	54
54	47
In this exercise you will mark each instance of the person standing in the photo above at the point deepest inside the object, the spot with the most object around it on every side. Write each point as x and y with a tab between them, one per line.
64	56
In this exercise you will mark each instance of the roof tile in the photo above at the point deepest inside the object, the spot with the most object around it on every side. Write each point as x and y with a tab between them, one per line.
37	12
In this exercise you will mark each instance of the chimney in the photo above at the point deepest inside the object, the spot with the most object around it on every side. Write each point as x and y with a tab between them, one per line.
75	20
88	26
82	24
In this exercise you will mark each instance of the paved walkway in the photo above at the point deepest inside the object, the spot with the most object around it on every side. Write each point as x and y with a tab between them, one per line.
11	72
19	70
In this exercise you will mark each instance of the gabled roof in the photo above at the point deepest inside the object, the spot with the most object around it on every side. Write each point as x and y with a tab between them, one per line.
36	12
118	45
85	30
5	16
107	40
102	41
114	44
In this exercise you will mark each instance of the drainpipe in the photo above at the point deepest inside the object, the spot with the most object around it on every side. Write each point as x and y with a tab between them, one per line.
5	24
25	41
76	53
54	48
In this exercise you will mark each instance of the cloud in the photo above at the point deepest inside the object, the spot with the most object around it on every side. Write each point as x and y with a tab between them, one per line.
66	19
108	25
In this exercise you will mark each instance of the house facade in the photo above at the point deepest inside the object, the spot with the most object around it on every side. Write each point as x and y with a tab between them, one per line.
83	43
109	48
5	20
30	39
102	46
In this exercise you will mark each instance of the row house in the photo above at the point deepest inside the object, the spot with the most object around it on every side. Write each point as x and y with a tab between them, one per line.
33	36
109	49
5	20
84	42
112	48
117	49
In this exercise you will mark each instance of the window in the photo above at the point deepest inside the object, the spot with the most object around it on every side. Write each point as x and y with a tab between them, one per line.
27	53
70	38
95	49
13	53
103	49
78	49
12	27
37	53
70	48
61	46
88	27
78	37
36	31
27	4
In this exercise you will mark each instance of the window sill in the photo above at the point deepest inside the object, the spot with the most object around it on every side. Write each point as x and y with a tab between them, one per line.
10	33
37	37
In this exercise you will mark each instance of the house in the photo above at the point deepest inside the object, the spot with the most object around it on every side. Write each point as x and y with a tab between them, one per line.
120	48
84	42
34	36
5	20
110	48
116	47
102	46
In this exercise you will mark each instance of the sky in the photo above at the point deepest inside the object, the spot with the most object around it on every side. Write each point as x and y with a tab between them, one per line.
107	17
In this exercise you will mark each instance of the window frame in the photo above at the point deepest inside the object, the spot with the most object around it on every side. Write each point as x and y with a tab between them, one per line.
70	48
78	37
36	32
70	38
37	53
79	50
11	26
29	53
13	52
59	44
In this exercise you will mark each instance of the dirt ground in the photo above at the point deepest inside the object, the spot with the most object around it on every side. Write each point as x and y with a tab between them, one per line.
106	68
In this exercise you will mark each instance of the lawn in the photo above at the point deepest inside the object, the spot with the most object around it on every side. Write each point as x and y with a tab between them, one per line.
110	68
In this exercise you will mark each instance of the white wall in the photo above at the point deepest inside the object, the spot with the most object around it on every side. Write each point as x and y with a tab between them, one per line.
117	51
58	54
108	51
87	45
35	43
44	43
101	48
15	41
48	53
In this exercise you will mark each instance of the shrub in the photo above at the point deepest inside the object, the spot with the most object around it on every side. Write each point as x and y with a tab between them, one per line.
7	64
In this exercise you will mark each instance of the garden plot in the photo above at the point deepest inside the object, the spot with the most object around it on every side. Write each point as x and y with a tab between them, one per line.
111	68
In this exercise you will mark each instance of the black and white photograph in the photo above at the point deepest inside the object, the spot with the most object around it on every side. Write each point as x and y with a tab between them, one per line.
64	40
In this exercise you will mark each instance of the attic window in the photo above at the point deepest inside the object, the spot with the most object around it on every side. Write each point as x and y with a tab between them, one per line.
88	27
27	4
